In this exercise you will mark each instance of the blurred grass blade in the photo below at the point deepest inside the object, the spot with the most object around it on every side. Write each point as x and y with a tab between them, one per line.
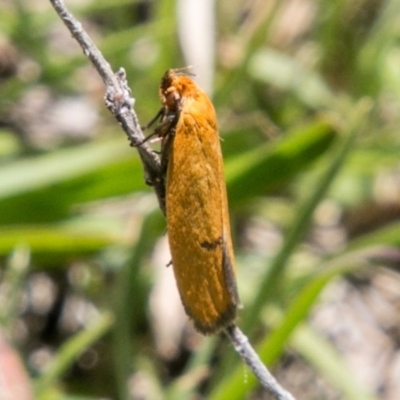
261	19
11	284
55	201
26	175
196	370
55	393
264	168
270	284
129	291
54	241
70	351
327	362
389	235
285	73
196	30
235	387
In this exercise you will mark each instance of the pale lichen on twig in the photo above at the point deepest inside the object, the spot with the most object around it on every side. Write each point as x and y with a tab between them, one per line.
119	101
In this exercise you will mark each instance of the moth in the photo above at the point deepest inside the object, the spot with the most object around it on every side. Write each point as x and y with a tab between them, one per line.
196	203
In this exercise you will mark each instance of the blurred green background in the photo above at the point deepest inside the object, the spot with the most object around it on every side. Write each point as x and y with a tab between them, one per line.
307	94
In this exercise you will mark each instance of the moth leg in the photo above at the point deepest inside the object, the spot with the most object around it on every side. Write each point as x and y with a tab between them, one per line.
159	115
162	128
153	120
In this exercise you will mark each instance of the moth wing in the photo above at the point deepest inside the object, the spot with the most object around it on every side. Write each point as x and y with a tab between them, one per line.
198	219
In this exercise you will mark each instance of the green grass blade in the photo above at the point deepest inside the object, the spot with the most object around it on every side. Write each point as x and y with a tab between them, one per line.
271	282
259	170
327	362
71	350
235	387
33	173
55	241
12	283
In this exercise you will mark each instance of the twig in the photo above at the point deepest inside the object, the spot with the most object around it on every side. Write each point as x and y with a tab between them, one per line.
119	101
250	357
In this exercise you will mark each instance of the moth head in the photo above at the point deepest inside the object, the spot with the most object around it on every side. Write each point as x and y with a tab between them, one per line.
170	98
175	87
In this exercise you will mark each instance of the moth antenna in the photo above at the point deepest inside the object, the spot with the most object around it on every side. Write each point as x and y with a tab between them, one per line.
184	70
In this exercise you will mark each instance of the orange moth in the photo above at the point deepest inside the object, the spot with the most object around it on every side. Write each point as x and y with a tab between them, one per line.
196	203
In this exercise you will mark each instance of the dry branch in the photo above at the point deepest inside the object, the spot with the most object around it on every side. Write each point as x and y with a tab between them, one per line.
118	100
